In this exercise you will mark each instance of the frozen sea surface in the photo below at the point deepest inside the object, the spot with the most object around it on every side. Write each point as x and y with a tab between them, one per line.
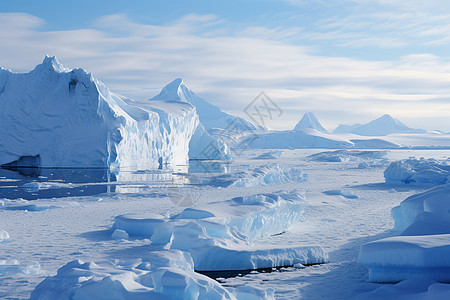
52	217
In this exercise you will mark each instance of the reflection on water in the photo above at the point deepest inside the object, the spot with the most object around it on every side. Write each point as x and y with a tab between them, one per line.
44	183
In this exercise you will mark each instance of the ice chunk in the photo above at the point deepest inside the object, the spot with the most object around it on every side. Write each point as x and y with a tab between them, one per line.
270	174
4	235
119	235
418	171
273	154
13	266
417	289
160	275
424	213
347	155
403	257
345	193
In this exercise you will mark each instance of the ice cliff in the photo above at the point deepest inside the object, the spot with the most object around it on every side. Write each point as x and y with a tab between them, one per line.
57	117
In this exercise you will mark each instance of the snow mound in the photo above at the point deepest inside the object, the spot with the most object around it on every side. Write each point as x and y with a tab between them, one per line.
4	235
417	289
161	275
13	266
404	257
347	155
418	171
309	121
56	117
384	125
270	174
344	193
220	236
210	115
273	154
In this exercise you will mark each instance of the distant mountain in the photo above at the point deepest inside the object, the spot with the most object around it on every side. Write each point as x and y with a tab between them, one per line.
309	121
210	115
384	125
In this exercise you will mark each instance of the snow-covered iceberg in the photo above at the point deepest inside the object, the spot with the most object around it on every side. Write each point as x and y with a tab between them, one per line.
418	171
221	235
57	117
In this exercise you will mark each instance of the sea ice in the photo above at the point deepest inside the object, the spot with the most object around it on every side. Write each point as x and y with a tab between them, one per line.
347	155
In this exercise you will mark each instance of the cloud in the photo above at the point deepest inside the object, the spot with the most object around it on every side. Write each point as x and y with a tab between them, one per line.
230	69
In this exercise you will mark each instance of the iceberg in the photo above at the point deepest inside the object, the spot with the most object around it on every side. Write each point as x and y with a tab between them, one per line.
309	121
57	117
384	125
210	115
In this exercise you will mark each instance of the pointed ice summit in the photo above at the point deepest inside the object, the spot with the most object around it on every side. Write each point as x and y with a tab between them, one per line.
210	115
384	125
309	121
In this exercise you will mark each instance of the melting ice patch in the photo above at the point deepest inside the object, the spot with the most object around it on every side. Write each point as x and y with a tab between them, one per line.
418	171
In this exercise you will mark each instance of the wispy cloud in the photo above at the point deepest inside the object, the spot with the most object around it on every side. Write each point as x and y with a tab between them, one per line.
231	68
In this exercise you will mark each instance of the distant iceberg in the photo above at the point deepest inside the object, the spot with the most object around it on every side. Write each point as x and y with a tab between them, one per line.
309	121
384	125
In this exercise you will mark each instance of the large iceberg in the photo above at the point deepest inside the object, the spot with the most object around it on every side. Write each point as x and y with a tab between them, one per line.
57	117
210	115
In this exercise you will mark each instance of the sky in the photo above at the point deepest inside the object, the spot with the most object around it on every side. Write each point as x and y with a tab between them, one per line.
348	61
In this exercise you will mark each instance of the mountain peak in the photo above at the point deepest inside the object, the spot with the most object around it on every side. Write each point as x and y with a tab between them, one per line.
310	121
52	63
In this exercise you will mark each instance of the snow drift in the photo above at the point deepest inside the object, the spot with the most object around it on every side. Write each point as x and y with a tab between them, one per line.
57	117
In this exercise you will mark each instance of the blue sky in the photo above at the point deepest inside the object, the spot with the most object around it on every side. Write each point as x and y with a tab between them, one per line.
348	61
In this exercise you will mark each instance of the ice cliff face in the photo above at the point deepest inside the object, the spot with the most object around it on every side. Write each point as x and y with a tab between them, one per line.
67	118
210	115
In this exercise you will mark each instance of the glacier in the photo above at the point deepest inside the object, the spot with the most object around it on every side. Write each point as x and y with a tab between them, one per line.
57	117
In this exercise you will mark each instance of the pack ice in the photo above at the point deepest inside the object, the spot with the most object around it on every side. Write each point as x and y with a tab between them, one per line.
57	117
